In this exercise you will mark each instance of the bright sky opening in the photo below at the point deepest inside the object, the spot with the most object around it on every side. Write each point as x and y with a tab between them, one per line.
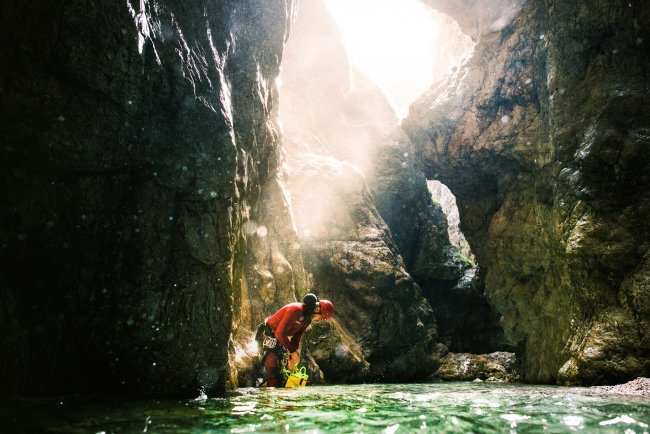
391	41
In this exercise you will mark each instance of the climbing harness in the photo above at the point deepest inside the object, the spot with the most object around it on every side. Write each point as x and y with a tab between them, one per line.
267	342
265	338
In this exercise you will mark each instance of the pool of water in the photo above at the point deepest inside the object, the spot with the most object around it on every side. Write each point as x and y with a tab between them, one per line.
387	408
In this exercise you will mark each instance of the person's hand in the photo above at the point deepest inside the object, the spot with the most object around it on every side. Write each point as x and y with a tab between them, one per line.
294	359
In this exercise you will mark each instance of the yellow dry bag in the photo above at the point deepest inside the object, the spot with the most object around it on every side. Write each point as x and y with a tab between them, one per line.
297	378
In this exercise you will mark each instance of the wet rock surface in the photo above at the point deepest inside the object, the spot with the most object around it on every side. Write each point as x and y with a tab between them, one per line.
638	387
498	367
541	136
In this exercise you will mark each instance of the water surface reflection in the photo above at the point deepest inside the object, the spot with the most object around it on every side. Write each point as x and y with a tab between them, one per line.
397	408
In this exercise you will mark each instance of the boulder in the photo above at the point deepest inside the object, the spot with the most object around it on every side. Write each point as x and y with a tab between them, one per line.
497	367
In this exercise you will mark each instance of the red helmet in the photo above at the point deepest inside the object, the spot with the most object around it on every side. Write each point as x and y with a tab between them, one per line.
326	309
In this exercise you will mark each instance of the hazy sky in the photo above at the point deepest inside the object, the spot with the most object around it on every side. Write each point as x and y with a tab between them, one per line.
390	40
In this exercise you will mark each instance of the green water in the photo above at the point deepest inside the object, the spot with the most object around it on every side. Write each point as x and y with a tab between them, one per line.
400	408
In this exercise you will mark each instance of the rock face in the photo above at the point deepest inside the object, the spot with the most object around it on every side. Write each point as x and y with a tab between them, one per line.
383	329
332	115
479	17
137	142
542	137
498	367
353	261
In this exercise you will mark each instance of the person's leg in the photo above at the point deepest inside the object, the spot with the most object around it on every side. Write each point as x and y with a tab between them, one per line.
272	366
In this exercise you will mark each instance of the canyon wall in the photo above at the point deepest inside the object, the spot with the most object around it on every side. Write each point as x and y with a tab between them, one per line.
142	201
334	125
334	118
542	136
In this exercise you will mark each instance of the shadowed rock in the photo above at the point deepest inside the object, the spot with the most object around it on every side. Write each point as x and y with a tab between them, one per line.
137	139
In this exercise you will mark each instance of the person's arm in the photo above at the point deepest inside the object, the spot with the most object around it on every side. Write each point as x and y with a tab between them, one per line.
295	339
289	317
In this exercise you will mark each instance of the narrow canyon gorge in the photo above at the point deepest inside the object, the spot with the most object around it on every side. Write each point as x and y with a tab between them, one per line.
175	172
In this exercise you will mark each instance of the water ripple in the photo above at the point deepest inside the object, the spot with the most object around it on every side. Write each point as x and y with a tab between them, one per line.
397	408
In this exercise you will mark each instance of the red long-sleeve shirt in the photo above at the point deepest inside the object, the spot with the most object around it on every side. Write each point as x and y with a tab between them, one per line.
286	324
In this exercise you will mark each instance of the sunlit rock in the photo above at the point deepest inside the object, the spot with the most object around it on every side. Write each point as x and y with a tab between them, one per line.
353	262
339	115
479	17
542	138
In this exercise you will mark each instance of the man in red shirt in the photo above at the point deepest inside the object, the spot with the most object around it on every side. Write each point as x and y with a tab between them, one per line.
280	335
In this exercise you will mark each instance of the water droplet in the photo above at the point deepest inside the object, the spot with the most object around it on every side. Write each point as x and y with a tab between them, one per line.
155	174
123	31
541	36
171	217
61	118
184	167
505	119
137	230
250	227
530	80
262	231
639	41
213	194
230	209
83	217
131	102
296	246
614	51
341	351
126	124
130	322
406	154
219	158
154	363
50	224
